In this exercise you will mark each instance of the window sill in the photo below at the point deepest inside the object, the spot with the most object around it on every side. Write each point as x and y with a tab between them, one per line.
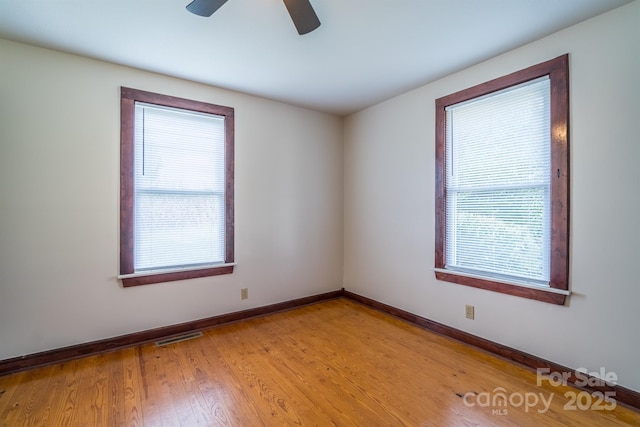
544	294
160	276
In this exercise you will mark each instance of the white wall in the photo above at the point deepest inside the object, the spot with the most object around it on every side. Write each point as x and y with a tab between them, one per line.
389	205
59	204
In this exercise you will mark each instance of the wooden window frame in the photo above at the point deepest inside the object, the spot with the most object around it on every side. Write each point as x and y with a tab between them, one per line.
128	98
558	71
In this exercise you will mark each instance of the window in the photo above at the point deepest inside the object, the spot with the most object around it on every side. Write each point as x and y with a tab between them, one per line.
176	188
502	184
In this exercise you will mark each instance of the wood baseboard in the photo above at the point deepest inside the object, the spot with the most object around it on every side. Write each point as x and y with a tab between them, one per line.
17	364
8	366
622	395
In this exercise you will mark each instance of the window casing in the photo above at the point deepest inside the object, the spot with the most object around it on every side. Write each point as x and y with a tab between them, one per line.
176	196
502	188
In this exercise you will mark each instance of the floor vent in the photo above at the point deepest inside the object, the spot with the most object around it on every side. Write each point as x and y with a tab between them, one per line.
178	338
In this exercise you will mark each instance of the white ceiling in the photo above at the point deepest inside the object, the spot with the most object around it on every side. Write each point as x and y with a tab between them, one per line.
365	51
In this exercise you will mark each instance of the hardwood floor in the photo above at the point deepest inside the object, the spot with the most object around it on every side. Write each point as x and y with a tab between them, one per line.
333	363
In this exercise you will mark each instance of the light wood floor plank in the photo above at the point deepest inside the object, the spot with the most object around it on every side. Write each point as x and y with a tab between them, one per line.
159	407
23	408
67	395
336	363
226	385
132	388
8	387
89	409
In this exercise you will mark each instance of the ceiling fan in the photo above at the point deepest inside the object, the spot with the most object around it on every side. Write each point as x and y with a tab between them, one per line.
301	11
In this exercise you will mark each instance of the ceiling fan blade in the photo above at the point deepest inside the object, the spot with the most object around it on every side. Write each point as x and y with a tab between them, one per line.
205	7
302	15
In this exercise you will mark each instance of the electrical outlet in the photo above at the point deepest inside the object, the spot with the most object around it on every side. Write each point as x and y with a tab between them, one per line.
244	293
469	312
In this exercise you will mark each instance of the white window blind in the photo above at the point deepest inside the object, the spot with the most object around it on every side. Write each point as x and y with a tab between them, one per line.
179	188
498	161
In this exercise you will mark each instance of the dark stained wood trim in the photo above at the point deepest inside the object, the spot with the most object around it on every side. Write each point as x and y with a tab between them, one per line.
622	394
128	97
558	71
176	275
560	188
175	102
9	366
531	73
127	107
229	195
441	201
17	364
514	290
